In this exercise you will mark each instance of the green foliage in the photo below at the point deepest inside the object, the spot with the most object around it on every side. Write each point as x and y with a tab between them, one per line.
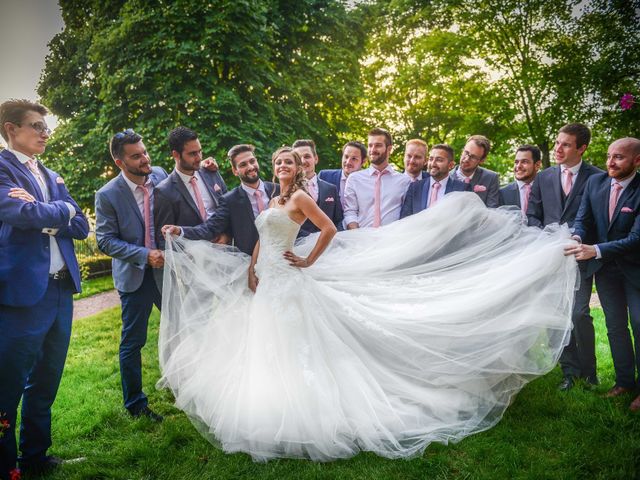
95	285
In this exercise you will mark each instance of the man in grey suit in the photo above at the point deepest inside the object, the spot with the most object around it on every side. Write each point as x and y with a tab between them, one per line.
190	194
481	181
124	231
555	198
525	168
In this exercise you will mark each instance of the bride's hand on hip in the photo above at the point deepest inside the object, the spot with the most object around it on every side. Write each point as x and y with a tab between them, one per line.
296	261
253	280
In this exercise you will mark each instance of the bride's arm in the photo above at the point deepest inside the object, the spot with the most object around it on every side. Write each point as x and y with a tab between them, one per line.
253	280
327	230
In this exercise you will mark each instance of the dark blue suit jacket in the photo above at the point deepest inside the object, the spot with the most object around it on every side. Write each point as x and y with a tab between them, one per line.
329	203
618	239
173	204
331	176
418	194
24	249
510	195
234	217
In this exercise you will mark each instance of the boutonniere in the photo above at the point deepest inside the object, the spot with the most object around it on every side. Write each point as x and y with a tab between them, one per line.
60	180
216	187
479	188
329	199
626	210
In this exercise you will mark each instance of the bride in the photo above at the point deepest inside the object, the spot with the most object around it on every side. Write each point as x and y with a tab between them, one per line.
379	340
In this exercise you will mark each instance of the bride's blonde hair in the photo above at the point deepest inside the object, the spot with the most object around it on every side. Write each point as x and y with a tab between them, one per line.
299	182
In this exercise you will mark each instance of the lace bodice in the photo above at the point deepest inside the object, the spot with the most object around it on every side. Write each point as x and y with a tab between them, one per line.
278	233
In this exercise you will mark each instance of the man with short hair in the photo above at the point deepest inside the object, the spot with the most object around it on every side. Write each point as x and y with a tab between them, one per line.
354	154
324	193
190	194
555	198
525	168
238	209
38	276
609	216
427	192
415	159
124	231
480	180
373	197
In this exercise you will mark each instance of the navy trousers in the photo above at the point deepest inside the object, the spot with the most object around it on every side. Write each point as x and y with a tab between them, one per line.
33	349
136	308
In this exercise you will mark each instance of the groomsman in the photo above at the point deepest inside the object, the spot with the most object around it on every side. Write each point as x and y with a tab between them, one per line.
415	159
354	154
38	276
238	209
124	231
373	197
555	198
190	194
324	193
425	193
481	181
525	168
609	216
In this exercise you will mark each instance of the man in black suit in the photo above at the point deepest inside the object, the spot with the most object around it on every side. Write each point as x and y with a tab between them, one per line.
555	198
324	193
238	208
415	159
610	216
190	194
483	182
525	169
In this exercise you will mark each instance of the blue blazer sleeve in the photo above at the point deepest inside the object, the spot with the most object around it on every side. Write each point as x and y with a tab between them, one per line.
215	225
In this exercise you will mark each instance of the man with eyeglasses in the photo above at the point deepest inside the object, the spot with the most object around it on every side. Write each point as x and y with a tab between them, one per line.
480	180
38	276
124	231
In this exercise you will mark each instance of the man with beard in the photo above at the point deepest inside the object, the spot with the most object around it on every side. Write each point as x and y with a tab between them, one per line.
238	209
124	231
324	193
415	159
427	192
190	194
373	197
610	216
525	169
354	155
483	182
555	198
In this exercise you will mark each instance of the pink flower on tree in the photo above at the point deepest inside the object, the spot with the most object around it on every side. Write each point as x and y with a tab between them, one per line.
626	101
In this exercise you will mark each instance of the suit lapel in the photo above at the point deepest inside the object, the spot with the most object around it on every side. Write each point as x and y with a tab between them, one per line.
209	181
182	189
425	194
25	170
127	194
51	184
577	186
628	192
516	193
246	203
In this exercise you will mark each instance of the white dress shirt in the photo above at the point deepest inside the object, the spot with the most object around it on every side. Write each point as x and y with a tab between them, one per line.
462	177
443	187
360	193
56	262
209	204
343	185
252	197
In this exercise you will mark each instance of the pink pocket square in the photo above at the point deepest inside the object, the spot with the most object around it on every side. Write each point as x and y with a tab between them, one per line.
59	180
329	199
626	210
479	188
216	187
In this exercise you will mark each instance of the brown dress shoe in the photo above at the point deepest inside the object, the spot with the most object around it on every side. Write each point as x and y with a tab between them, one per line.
617	391
635	405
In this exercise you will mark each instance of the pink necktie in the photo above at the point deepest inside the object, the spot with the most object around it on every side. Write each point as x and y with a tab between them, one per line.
199	201
527	192
467	179
147	216
613	198
568	183
313	191
33	167
376	198
435	188
259	201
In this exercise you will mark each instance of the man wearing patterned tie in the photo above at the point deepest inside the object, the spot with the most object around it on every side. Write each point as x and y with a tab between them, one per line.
373	197
190	194
483	182
124	231
610	216
415	159
525	168
555	198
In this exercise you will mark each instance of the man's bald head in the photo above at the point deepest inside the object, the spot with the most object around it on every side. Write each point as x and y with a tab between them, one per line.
623	158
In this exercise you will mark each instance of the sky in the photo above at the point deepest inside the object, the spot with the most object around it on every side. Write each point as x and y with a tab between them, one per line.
26	26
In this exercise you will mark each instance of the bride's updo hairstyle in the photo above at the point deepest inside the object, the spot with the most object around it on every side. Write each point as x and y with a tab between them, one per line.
299	182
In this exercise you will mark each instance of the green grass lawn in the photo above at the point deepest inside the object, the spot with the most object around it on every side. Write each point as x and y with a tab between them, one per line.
544	434
94	286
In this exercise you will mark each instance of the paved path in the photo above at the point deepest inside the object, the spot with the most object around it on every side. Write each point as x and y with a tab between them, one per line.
95	304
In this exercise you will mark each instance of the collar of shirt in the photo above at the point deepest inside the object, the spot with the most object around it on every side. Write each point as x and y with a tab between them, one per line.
624	183
22	158
371	170
462	176
251	191
442	182
134	186
313	181
575	169
343	177
186	178
521	184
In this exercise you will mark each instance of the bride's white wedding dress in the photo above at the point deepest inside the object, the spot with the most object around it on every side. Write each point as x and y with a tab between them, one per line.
416	332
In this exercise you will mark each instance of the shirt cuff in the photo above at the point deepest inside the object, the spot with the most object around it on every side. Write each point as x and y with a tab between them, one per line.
72	210
598	253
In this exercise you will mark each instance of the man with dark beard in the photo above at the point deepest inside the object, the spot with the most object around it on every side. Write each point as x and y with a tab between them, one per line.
238	209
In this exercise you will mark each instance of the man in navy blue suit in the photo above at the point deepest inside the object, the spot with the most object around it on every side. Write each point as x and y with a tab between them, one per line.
555	198
425	193
38	276
525	168
324	193
124	231
237	209
354	154
609	215
415	159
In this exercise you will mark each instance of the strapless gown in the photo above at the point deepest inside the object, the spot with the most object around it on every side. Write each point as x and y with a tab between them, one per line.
420	331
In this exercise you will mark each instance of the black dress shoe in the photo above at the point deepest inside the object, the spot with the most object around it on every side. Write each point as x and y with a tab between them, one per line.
49	464
566	384
147	412
592	380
